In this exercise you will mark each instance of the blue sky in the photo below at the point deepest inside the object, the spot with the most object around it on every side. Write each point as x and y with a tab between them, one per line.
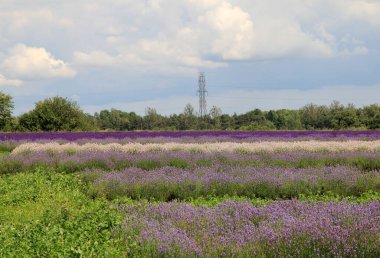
133	54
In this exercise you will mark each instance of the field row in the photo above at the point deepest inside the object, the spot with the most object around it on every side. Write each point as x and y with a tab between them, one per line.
168	183
234	229
192	135
253	147
69	162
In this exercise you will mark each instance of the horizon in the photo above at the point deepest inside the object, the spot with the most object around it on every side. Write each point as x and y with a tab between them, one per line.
130	55
196	112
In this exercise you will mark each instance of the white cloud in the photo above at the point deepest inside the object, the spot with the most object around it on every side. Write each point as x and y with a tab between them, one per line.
190	34
22	20
148	55
94	58
365	10
196	34
233	31
213	28
37	24
178	37
8	82
281	37
31	63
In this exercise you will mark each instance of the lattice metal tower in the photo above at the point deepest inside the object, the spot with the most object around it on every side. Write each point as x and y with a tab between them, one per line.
202	94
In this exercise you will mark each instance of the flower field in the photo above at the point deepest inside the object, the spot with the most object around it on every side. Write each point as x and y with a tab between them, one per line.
190	194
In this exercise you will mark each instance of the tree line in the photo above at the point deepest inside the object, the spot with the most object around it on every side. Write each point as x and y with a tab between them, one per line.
62	114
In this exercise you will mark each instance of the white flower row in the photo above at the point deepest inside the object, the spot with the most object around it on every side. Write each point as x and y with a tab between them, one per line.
269	146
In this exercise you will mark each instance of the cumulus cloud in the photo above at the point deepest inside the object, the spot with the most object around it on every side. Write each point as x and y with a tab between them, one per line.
32	63
192	34
214	28
279	38
8	82
233	30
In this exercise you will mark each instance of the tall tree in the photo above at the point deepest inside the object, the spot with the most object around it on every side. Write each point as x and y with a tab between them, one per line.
371	116
56	114
216	113
315	117
188	119
114	119
6	108
152	118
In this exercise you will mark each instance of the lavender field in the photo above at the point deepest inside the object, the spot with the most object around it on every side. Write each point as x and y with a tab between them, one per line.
192	135
191	194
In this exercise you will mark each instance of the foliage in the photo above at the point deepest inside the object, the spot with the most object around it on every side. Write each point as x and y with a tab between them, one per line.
188	119
6	108
45	214
215	114
116	120
56	114
61	114
371	116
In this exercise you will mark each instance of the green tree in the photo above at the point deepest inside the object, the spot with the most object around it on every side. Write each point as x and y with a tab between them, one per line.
315	117
225	121
285	119
188	119
371	116
343	117
135	121
152	120
56	114
216	113
251	116
6	108
259	126
115	119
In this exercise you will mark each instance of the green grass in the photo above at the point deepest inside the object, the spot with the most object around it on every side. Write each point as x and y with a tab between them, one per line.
7	146
46	214
212	201
4	153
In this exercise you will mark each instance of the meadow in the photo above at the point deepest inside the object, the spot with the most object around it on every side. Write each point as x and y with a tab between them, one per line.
190	194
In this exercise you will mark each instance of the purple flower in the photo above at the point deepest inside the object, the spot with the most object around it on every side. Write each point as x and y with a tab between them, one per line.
283	228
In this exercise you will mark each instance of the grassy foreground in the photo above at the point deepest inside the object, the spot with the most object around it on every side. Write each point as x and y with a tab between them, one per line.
48	214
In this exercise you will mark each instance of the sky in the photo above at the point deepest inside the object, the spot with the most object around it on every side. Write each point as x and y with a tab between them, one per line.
130	55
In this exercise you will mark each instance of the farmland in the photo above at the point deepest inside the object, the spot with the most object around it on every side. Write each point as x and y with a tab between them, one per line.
190	194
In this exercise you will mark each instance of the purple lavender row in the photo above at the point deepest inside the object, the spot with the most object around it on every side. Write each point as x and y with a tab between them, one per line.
192	159
232	229
276	176
266	182
203	135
